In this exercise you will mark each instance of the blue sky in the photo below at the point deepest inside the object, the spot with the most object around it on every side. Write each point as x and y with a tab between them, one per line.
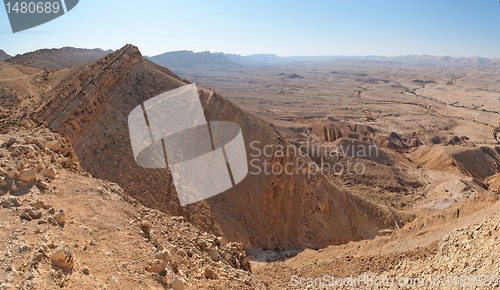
335	27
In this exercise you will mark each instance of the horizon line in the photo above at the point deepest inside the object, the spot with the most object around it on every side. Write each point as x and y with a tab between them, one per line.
260	53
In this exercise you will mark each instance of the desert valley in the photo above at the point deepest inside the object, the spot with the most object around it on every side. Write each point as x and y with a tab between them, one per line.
406	179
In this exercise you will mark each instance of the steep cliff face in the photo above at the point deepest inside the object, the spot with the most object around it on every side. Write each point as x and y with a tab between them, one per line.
292	209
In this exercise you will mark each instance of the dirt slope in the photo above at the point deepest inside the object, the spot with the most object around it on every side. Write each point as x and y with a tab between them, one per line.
494	182
477	162
442	244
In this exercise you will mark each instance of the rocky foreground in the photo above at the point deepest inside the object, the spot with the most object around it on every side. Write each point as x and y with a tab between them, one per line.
60	227
467	257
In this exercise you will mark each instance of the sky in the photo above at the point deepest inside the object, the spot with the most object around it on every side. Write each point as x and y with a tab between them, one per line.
286	28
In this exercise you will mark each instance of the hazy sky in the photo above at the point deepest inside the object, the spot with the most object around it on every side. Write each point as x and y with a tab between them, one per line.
334	27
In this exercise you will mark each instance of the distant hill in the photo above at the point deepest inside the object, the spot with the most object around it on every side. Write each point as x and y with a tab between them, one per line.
58	58
272	59
256	59
443	60
4	55
188	60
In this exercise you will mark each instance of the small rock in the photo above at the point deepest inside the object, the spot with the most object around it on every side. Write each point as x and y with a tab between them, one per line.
23	248
60	218
53	145
38	256
33	140
11	173
19	166
14	187
20	183
16	152
10	202
12	140
44	248
31	214
179	219
27	175
200	243
178	283
233	249
62	258
157	266
58	274
164	255
245	264
85	270
39	205
219	241
161	280
3	182
35	213
209	273
50	173
52	221
146	227
25	216
42	185
181	253
214	254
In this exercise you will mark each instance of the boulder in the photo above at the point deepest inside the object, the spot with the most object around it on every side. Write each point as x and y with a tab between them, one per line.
157	266
60	218
209	273
27	175
62	258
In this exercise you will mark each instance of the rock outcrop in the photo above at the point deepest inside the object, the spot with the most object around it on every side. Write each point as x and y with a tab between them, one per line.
477	162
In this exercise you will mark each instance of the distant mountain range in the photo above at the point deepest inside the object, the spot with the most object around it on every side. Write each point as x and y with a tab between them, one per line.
182	60
58	58
187	60
4	55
